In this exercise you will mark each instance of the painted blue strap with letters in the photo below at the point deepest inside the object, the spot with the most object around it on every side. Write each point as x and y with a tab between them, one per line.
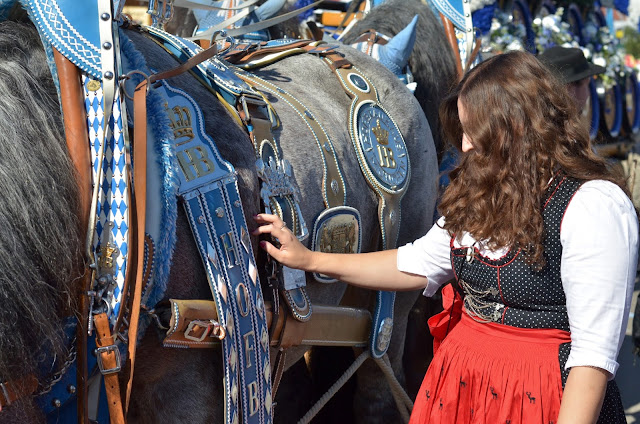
209	189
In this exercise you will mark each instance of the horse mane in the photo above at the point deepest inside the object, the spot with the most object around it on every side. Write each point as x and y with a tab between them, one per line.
39	228
431	62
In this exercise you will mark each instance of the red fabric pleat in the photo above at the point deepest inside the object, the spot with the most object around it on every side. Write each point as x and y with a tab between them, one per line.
493	373
443	323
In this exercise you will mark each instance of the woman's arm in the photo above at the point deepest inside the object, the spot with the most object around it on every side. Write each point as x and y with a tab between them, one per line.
599	236
375	270
583	395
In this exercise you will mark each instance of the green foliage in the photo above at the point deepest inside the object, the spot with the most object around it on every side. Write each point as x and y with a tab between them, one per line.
631	41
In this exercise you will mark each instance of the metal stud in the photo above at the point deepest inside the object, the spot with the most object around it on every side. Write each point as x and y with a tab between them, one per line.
108	75
71	389
237	203
201	219
56	403
334	186
105	16
106	45
220	212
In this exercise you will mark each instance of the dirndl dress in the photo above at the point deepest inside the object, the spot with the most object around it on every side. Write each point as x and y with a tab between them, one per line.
503	357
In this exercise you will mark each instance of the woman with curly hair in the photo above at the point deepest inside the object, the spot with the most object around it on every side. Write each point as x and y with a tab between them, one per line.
541	239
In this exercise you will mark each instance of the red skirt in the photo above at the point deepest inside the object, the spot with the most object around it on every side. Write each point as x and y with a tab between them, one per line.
493	373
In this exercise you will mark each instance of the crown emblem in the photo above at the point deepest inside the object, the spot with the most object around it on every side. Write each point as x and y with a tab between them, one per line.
181	124
382	135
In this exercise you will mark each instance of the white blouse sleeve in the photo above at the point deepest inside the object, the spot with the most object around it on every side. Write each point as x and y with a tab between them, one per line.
599	236
428	256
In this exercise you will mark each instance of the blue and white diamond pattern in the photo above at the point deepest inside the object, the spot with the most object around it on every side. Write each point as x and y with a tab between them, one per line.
461	37
113	198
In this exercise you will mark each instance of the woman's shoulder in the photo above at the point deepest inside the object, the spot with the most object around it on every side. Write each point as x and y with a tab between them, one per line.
599	200
603	193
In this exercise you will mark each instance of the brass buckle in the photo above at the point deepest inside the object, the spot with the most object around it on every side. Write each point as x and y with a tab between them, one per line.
211	327
247	100
108	349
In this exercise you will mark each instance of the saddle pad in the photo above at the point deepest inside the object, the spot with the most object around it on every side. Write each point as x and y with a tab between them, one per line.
71	26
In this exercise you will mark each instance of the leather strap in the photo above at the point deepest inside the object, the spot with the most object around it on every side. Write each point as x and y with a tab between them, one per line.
333	188
11	391
140	202
450	33
194	324
474	54
329	326
108	357
75	129
184	67
244	53
278	369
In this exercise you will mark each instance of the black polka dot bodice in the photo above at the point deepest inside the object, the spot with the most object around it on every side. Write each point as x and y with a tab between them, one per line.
509	291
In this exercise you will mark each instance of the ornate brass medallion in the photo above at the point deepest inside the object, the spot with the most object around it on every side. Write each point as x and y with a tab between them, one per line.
382	146
337	230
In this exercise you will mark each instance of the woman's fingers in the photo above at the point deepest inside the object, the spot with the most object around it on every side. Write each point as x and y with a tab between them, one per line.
290	252
273	251
272	224
267	218
263	229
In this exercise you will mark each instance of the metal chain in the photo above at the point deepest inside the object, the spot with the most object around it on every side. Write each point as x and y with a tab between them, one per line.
71	358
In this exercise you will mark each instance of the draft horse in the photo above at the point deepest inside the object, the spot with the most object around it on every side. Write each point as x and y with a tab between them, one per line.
41	237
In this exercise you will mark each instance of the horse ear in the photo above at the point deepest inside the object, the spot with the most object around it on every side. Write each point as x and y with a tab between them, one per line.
395	54
269	9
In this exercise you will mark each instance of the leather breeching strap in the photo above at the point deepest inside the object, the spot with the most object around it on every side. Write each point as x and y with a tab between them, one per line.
75	128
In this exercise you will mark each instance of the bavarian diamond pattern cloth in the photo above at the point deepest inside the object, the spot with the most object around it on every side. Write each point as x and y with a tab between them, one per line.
112	209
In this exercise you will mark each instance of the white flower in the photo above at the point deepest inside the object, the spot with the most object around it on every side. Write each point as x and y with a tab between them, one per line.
515	45
599	60
549	21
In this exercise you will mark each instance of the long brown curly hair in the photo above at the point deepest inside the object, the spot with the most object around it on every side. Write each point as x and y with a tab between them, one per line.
524	128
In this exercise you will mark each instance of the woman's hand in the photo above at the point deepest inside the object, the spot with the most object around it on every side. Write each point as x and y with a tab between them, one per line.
373	270
291	253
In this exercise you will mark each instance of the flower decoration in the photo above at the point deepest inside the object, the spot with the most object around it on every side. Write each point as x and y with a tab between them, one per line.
505	34
603	49
551	31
